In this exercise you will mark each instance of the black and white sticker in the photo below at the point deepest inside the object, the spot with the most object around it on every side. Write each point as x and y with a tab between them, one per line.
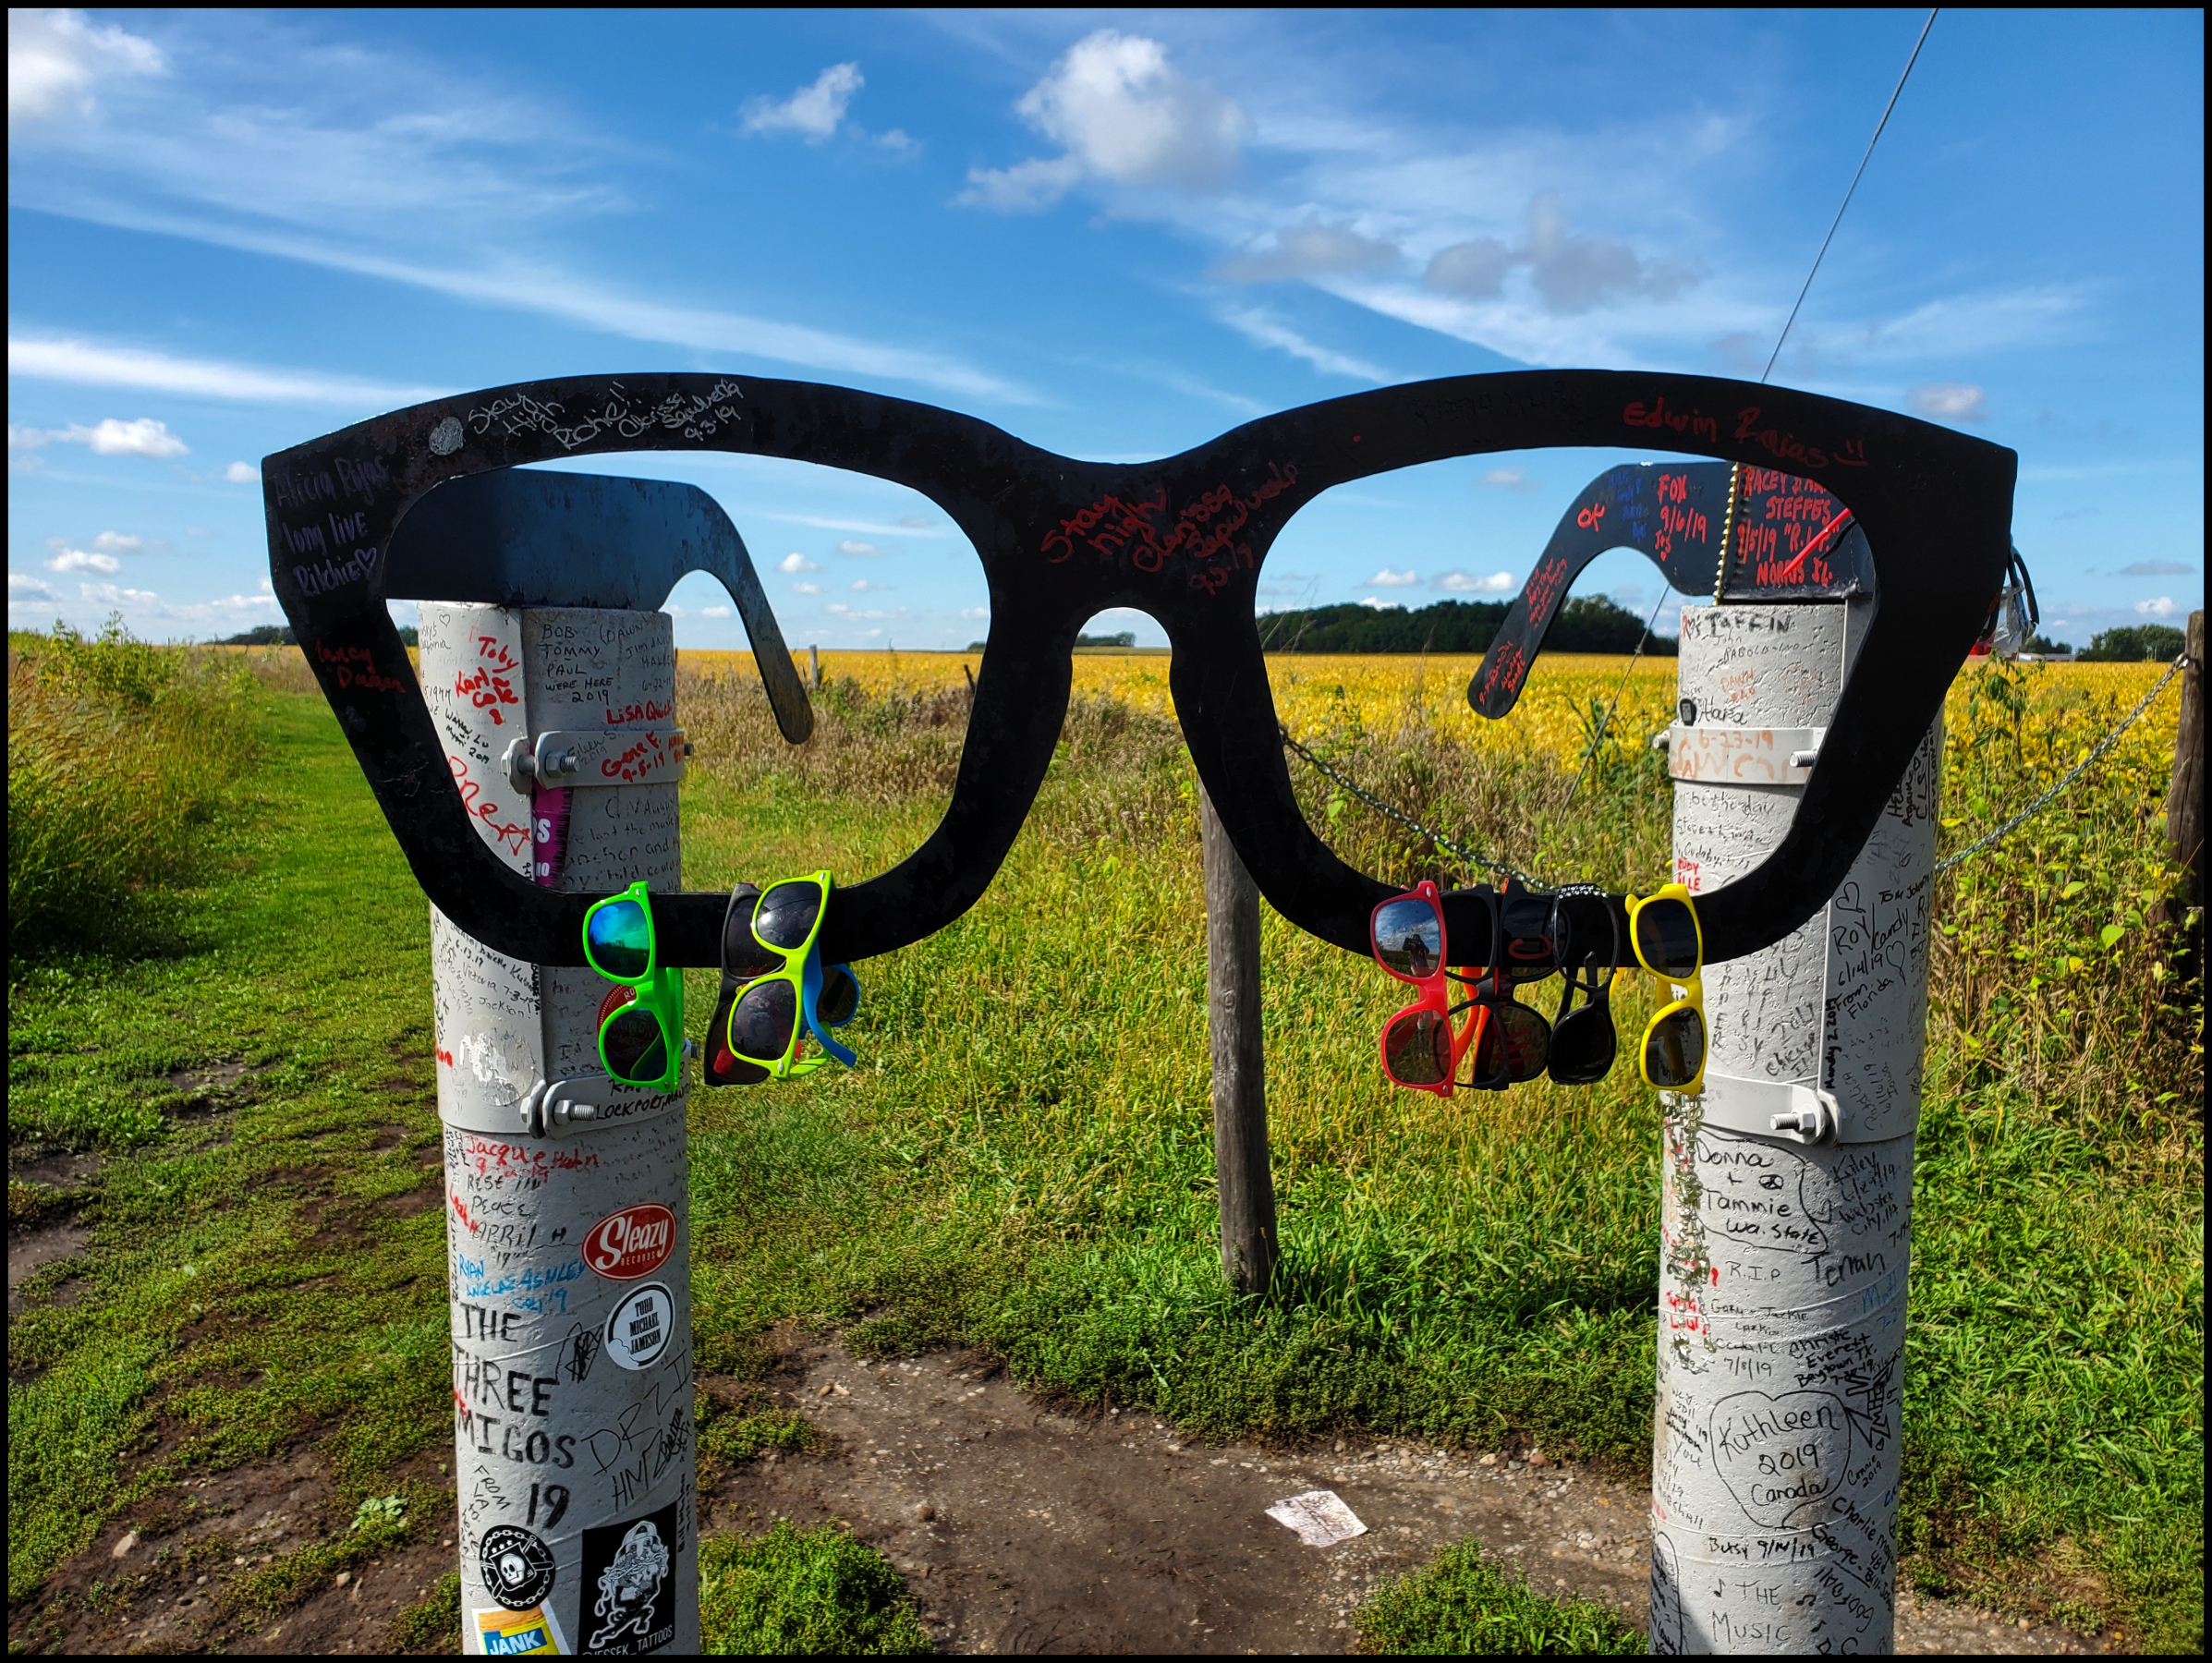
642	1326
517	1568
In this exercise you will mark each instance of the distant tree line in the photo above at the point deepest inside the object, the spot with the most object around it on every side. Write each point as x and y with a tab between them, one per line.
1586	624
2134	643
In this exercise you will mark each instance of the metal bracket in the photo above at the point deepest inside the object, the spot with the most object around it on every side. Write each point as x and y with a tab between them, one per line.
597	757
558	1108
1716	754
1790	1109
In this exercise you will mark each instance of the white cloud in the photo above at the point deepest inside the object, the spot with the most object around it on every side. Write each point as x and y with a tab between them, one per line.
22	586
54	57
861	548
135	600
143	437
1123	115
2157	568
863	587
812	112
2163	607
795	563
1469	582
975	613
840	609
1268	331
1507	478
83	560
899	142
1386	579
909	526
1311	249
1022	189
242	473
79	361
1949	401
1569	274
914	522
116	542
713	612
1379	605
804	587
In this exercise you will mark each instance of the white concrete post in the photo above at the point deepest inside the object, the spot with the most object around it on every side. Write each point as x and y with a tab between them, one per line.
568	1254
1786	1210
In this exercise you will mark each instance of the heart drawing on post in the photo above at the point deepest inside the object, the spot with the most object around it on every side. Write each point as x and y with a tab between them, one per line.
1782	1458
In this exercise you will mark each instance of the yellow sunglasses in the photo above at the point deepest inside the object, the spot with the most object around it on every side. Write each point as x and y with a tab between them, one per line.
1669	943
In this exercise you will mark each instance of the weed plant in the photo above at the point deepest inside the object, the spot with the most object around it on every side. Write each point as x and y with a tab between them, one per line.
120	757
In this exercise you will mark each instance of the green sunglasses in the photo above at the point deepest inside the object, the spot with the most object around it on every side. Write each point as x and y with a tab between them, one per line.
642	1024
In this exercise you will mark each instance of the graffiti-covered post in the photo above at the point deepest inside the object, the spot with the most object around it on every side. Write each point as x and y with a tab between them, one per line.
567	1251
1786	1208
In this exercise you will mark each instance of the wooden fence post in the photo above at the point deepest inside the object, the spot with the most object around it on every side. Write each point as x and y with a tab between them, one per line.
1240	1094
2185	797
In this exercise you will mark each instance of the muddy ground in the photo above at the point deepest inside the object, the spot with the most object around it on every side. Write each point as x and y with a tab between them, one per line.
1019	1526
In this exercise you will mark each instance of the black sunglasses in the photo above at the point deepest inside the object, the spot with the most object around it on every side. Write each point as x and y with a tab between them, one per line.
1181	540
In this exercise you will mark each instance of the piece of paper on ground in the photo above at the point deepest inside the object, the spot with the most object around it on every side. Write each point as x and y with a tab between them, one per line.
1320	1517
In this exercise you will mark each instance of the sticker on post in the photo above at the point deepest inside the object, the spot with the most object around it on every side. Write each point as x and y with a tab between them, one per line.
629	1584
1320	1517
631	1244
531	1634
517	1568
639	1329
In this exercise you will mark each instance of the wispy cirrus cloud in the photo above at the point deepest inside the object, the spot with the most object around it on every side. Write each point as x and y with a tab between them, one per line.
92	364
408	173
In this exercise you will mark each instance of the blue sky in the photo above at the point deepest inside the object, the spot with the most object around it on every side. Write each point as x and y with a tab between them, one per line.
1115	233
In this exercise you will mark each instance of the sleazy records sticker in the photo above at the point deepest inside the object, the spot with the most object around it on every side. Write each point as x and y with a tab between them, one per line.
633	1243
642	1326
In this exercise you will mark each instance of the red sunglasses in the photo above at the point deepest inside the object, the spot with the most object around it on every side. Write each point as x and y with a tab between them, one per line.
1421	1048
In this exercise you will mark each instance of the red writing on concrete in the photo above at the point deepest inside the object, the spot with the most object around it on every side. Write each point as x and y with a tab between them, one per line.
352	667
481	808
647	755
494	650
1200	531
648	711
487	691
493	1159
1590	518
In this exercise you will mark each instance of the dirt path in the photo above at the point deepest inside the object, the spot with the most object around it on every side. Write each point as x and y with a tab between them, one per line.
1020	1529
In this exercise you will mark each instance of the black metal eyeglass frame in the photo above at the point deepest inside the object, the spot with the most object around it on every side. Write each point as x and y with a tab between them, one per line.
1181	540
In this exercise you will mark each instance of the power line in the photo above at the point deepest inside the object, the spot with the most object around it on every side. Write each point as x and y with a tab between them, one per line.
1847	195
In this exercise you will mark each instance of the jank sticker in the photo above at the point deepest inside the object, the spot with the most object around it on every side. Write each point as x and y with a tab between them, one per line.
531	1634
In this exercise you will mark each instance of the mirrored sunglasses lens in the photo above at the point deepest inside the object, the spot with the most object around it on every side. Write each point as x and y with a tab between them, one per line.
1583	1047
1675	1052
761	1021
620	940
1408	937
1418	1049
839	998
632	1046
786	914
1666	936
741	955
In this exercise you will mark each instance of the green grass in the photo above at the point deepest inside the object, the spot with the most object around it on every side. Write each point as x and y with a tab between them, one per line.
1467	1604
803	1593
1024	1162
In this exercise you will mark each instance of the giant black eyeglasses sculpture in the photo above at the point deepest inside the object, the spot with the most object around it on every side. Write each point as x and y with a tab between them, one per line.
1181	540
